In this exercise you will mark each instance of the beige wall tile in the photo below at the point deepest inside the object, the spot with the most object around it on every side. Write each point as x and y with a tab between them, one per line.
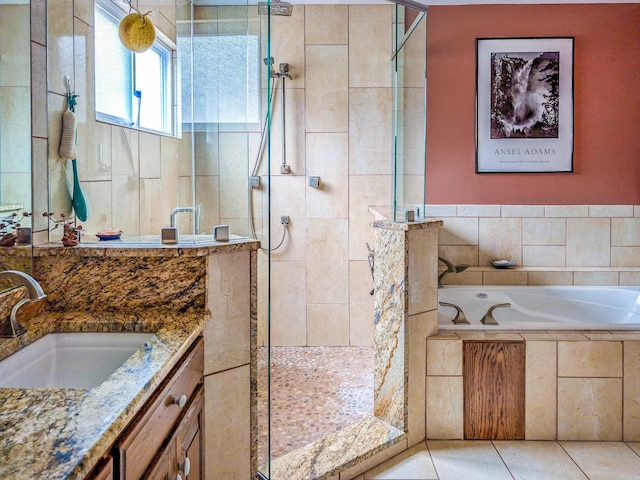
360	303
370	120
631	413
83	9
369	55
566	211
500	238
595	278
327	261
590	359
543	256
588	242
295	132
423	270
629	278
590	409
544	231
326	24
522	210
60	44
328	324
625	232
125	194
208	151
541	390
227	445
288	304
207	195
459	231
38	90
464	278
234	176
40	181
441	210
226	336
287	44
459	255
444	357
549	278
419	328
444	408
478	210
150	163
124	152
39	21
327	157
155	206
364	190
284	188
327	92
611	210
504	277
625	256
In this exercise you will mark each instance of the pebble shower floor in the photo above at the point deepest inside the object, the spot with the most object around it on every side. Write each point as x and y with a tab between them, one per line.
314	391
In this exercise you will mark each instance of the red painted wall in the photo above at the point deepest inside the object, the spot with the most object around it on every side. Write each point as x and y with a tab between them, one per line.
606	152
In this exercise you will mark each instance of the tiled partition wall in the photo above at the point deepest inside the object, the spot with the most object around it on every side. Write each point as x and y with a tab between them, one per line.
579	385
551	245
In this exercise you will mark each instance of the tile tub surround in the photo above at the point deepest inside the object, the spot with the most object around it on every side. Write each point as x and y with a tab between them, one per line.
580	385
219	283
551	244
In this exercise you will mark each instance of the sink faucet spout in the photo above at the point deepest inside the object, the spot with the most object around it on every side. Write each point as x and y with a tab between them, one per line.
196	216
11	328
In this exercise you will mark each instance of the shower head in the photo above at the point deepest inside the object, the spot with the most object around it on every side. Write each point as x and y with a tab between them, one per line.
276	7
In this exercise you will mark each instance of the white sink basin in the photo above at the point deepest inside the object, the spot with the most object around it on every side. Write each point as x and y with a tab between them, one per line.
69	360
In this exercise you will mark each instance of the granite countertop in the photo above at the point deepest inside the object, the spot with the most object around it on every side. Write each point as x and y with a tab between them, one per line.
63	433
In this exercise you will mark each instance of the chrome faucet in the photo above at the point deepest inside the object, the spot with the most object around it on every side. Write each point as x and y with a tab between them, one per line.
11	328
196	216
488	317
451	268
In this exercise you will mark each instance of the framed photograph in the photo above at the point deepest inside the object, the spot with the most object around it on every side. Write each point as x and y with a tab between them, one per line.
524	105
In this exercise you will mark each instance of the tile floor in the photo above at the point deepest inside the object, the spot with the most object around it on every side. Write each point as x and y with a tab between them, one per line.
314	391
512	460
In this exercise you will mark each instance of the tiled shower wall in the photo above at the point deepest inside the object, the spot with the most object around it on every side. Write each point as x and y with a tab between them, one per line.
551	245
339	122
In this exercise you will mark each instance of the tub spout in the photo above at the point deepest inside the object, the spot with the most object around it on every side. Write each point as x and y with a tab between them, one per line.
11	328
488	317
460	318
451	268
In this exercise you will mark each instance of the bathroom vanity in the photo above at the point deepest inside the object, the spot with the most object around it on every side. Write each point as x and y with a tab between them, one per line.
150	417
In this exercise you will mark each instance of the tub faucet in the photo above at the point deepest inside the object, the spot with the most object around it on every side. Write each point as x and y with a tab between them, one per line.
451	268
11	328
196	216
460	318
488	317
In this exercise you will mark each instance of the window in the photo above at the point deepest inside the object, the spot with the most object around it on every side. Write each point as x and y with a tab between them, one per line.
132	89
222	72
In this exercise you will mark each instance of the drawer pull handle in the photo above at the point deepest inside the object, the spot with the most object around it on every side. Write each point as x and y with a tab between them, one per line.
181	401
185	467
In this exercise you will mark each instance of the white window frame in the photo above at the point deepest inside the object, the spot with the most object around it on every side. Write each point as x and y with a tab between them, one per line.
166	50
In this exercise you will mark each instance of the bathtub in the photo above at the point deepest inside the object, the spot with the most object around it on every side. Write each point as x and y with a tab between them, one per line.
543	308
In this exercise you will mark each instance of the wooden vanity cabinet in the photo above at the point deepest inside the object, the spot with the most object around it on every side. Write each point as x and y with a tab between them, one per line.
152	446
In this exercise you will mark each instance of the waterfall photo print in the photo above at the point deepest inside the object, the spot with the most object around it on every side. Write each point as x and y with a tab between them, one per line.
524	105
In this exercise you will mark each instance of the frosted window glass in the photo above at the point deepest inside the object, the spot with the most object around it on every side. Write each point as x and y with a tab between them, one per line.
226	74
114	83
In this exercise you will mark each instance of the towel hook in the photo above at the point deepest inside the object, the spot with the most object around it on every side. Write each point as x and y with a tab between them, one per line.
67	84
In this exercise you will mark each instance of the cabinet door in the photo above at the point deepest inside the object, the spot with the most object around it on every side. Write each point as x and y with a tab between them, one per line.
164	466
190	439
494	382
103	471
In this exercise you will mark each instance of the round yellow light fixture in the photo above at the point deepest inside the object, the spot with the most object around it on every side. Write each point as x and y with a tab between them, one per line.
137	32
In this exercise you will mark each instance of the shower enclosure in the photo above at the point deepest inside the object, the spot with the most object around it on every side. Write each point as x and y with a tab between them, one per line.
295	119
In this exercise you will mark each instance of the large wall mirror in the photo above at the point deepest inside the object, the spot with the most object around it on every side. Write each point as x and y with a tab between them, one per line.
15	133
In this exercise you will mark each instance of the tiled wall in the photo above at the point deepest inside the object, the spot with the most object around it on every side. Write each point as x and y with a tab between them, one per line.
552	245
579	386
134	188
15	103
339	122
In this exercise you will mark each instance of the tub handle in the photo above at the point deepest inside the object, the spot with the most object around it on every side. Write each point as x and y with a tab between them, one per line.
488	317
460	318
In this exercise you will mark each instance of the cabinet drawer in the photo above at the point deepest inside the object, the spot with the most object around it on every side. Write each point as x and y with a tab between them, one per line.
141	443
